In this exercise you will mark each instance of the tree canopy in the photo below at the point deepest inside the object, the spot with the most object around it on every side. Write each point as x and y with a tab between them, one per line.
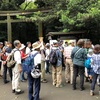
80	14
73	14
64	15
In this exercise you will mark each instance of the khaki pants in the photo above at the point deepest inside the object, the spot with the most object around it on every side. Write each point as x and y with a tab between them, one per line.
57	75
69	70
15	78
42	70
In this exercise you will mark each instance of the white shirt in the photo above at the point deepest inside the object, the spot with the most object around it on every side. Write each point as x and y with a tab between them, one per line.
28	50
37	58
17	56
47	54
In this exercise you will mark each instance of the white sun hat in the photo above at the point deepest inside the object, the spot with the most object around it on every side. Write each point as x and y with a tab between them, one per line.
22	47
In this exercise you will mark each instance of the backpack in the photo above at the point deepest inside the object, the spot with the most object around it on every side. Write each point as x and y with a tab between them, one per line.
28	63
10	60
87	63
4	57
53	57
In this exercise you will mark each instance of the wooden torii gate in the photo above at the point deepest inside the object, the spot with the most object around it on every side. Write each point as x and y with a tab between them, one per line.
14	13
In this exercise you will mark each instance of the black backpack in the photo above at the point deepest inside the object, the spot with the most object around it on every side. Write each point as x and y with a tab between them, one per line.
53	57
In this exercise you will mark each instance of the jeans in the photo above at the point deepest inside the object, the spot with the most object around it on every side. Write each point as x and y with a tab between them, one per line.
33	83
80	70
95	76
47	66
22	77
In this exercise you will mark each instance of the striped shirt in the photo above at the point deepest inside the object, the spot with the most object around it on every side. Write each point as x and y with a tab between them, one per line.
95	63
67	51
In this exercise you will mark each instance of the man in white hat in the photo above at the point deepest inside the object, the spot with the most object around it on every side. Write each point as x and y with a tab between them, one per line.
35	81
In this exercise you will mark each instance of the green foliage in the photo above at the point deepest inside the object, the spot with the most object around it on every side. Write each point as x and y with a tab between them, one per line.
28	6
44	16
79	12
73	14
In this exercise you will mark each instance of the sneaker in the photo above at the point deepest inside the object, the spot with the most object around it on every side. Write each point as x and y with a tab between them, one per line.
81	89
74	88
91	93
20	92
67	82
13	91
5	82
23	80
54	84
59	86
44	81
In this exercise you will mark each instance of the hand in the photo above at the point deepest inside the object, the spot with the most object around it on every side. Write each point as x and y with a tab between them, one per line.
20	68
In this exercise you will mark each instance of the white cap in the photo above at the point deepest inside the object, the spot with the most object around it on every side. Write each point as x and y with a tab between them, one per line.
71	41
47	44
90	50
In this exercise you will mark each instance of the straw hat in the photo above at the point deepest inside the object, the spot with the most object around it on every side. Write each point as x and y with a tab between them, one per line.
36	45
22	47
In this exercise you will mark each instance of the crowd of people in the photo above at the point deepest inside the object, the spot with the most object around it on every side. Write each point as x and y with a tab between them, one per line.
71	57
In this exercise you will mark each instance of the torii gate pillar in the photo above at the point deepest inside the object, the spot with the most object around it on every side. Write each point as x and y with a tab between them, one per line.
9	28
40	31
